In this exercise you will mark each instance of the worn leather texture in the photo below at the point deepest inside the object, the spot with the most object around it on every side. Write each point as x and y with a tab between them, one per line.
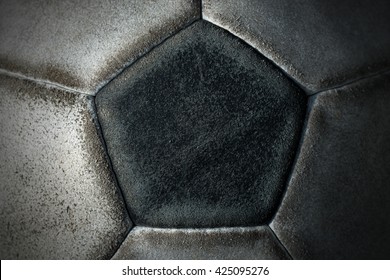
202	132
58	197
341	177
81	45
277	174
321	44
236	243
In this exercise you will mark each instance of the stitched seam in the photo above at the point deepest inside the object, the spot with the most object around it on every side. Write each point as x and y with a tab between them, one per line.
41	82
355	81
126	66
280	242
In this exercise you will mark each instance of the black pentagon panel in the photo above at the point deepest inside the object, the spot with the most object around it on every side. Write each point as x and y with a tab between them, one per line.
201	132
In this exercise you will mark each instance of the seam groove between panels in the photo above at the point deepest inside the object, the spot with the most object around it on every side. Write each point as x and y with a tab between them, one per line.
42	82
95	118
108	158
280	243
211	229
129	64
302	86
121	243
202	228
310	102
355	81
296	82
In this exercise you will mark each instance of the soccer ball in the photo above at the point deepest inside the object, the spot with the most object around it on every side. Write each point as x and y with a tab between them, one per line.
195	129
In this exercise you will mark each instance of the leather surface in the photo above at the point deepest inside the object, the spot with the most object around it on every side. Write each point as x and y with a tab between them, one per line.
83	44
201	132
321	44
337	203
58	198
199	244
